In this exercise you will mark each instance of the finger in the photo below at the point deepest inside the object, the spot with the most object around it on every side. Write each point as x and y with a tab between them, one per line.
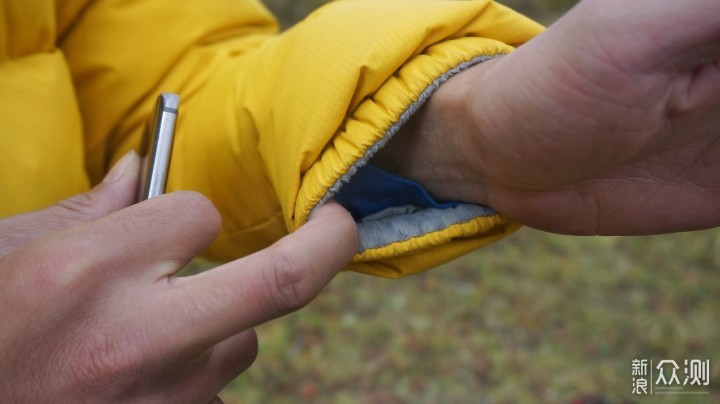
197	376
232	357
268	284
150	240
154	239
226	361
702	91
115	192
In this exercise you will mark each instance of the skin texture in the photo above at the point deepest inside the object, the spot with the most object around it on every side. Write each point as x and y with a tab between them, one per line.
608	123
93	313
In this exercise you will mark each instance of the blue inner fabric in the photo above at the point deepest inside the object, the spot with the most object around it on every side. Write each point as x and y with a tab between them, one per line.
373	189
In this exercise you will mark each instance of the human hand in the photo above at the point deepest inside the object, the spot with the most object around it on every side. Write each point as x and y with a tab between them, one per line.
607	123
92	311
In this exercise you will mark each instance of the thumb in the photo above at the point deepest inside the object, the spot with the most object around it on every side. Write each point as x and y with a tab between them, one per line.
115	192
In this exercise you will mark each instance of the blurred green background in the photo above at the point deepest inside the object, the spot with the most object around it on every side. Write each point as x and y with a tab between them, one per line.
534	318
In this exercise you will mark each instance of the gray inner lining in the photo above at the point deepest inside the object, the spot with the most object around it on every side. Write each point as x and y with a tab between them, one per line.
399	224
392	229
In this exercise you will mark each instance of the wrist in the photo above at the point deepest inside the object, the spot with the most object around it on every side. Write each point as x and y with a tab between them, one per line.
439	146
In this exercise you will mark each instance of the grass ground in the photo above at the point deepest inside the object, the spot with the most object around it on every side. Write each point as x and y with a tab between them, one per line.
536	317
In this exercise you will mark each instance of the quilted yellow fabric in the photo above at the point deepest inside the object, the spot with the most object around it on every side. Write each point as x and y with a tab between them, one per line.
271	125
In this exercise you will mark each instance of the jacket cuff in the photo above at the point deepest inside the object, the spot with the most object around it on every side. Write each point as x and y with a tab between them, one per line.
404	241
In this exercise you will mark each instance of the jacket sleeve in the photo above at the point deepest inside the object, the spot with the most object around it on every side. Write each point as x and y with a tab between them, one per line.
40	127
273	126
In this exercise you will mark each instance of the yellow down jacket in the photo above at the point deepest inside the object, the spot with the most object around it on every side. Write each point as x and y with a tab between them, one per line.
271	125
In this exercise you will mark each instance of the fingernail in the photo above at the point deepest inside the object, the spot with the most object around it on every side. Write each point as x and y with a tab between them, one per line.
317	211
322	210
120	167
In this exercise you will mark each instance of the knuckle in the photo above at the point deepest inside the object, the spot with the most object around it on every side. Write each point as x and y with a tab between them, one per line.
286	282
78	207
105	361
52	267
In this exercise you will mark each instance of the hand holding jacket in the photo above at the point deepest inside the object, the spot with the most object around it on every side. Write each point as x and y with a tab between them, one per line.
92	311
274	125
607	123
